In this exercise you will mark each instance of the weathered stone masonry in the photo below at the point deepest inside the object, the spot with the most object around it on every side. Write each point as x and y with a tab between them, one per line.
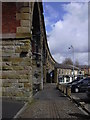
16	51
17	68
26	58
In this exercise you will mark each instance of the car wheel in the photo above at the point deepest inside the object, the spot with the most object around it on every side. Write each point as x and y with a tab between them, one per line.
76	90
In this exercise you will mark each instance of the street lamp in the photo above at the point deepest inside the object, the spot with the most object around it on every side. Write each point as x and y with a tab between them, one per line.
71	47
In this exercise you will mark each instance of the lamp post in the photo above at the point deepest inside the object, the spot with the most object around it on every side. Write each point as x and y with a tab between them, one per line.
71	47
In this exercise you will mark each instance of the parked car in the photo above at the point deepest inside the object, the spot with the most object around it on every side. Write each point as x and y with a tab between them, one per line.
75	81
88	90
80	86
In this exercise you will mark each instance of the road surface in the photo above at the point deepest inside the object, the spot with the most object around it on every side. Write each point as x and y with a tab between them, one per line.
10	107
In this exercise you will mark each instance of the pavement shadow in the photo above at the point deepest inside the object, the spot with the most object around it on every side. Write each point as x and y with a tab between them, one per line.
86	100
61	96
80	116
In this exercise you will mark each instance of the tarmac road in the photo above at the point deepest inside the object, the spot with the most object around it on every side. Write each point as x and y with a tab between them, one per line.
10	107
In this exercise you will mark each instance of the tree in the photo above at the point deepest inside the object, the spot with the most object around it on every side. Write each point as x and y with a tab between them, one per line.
76	63
68	61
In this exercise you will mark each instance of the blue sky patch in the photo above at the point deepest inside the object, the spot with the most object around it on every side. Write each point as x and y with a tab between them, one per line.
53	12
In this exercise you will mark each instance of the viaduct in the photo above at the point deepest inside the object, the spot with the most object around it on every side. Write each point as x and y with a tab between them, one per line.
27	63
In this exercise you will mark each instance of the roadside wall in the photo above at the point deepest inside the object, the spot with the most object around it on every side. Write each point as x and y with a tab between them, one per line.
17	68
16	50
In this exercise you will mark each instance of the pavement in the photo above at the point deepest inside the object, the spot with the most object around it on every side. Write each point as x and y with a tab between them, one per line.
10	107
51	103
82	99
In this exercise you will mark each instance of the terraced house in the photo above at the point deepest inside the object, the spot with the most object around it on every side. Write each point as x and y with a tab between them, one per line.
65	73
26	59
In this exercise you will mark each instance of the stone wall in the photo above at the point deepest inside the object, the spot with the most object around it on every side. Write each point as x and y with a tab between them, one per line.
37	48
26	58
16	50
0	67
17	68
36	74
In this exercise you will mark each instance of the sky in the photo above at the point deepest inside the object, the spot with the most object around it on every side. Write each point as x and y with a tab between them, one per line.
67	24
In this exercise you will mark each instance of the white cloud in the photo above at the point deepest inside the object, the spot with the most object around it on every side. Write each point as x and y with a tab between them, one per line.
82	58
73	30
58	57
66	0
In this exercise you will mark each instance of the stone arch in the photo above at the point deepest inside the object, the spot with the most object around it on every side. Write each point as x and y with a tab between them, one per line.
50	76
36	48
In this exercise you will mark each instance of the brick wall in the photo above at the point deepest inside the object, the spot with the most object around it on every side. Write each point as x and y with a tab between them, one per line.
9	22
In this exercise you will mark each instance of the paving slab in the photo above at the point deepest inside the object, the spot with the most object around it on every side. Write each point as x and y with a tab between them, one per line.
51	103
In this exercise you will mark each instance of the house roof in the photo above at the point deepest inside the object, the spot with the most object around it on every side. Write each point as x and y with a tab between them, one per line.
84	66
65	66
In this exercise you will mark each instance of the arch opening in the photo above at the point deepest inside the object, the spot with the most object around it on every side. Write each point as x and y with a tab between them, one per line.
50	77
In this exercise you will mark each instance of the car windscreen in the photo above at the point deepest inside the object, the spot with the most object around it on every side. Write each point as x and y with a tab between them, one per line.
86	79
73	81
80	80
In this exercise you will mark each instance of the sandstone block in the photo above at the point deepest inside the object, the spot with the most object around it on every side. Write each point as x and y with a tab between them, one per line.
24	40
10	76
7	68
18	85
6	54
23	35
15	55
24	48
25	16
22	72
7	43
6	84
19	94
10	80
27	93
8	48
18	68
25	10
25	23
23	30
23	80
18	50
23	76
16	60
5	59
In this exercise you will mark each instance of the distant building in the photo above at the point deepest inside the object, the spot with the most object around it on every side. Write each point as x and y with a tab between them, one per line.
86	69
65	73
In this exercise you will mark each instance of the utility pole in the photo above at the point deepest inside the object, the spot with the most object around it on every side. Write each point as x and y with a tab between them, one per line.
71	47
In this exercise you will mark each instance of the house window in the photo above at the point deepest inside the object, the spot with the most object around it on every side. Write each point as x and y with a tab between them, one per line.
67	79
61	80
